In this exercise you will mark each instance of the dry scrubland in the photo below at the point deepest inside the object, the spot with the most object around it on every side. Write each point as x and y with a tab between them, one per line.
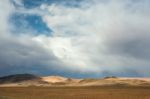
75	92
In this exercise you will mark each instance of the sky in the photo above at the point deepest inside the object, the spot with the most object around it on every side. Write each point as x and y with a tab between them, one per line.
75	38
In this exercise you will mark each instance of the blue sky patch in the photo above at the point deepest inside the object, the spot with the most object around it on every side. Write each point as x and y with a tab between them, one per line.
22	23
35	3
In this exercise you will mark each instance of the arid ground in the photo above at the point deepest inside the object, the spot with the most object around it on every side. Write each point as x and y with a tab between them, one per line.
29	86
102	92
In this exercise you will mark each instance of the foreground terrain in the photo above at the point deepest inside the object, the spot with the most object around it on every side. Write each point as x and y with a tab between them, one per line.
105	92
25	80
28	86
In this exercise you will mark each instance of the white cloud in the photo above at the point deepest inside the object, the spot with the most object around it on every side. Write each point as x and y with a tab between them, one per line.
20	52
102	35
96	37
4	15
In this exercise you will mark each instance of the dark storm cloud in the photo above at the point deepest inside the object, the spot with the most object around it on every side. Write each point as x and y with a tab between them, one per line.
22	53
136	48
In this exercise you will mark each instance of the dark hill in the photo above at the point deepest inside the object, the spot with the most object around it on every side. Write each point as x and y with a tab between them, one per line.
18	78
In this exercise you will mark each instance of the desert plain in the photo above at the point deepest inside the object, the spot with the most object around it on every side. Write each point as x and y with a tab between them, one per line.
27	86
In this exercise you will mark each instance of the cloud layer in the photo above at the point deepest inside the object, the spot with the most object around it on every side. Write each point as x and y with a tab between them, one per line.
97	38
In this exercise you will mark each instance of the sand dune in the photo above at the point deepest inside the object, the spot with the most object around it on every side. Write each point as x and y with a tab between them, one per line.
29	79
54	79
138	78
